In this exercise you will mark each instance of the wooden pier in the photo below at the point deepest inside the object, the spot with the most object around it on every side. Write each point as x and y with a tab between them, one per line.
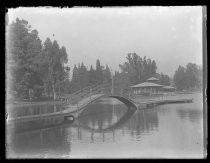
148	104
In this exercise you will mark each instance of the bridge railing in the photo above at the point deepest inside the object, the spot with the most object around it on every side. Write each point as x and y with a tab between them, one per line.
125	92
97	89
86	92
81	94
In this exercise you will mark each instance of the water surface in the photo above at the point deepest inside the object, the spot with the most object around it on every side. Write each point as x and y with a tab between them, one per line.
109	129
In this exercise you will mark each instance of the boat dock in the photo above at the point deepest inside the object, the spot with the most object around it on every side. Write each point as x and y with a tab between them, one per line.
151	103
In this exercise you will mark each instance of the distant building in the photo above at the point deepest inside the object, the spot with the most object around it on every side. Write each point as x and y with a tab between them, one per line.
148	87
168	89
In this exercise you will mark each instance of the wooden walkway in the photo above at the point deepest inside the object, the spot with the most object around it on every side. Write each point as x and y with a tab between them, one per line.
72	109
143	105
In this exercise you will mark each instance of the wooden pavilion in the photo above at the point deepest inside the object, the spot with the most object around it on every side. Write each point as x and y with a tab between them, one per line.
147	88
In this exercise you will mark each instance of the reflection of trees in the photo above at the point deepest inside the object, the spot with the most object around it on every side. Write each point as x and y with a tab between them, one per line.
143	121
37	143
193	115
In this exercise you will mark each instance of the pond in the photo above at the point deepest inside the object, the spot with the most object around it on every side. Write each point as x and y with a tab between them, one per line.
107	129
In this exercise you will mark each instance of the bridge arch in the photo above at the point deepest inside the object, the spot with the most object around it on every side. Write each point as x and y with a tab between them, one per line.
129	103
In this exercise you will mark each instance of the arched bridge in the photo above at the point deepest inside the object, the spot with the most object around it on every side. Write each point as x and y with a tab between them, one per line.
82	105
78	101
91	94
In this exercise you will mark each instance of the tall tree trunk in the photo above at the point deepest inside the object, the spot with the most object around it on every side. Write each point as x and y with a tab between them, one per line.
59	89
54	93
45	89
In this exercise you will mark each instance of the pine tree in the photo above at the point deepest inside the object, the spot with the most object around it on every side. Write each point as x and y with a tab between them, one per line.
92	76
180	78
107	75
99	75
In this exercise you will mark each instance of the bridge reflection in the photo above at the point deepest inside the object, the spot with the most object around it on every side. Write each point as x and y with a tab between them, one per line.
98	123
105	123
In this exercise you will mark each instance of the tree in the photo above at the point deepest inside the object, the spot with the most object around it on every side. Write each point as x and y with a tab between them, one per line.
83	75
153	68
75	78
92	76
139	69
53	70
31	65
164	79
189	77
192	75
99	74
63	71
23	49
180	78
107	76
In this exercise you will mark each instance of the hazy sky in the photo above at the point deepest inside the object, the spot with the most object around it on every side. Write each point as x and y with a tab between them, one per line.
171	36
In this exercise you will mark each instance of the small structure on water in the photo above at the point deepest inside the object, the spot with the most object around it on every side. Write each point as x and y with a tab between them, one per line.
168	89
147	88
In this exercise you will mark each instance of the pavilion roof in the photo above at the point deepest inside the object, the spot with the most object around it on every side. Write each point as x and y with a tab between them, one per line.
152	79
147	84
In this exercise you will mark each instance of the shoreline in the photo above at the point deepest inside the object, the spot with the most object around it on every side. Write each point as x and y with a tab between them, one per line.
28	103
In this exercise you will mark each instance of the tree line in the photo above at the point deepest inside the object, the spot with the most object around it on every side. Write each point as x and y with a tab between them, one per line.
188	77
136	70
33	67
82	77
41	69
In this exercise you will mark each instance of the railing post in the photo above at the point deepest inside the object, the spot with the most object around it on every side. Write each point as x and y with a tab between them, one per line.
77	109
112	91
90	93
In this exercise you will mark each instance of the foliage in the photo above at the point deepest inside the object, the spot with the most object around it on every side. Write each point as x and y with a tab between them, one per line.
163	79
83	77
41	68
32	65
99	72
189	77
138	69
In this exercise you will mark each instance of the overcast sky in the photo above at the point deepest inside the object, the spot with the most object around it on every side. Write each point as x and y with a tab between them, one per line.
171	36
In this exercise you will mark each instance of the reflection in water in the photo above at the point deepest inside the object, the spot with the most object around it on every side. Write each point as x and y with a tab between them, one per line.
41	123
143	122
99	122
103	128
17	111
51	142
193	115
42	143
